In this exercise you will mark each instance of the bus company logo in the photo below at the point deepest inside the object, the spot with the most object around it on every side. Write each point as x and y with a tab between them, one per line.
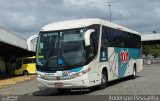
57	78
124	56
66	72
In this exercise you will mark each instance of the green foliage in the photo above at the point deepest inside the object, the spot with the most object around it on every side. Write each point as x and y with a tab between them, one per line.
152	49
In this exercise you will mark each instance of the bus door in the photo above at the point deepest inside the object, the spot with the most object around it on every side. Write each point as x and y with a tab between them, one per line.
104	47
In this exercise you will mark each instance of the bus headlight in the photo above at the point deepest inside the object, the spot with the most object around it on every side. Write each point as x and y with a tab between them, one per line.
40	76
82	72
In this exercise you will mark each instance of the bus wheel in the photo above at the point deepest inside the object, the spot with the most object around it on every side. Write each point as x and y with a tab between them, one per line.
25	72
104	80
134	72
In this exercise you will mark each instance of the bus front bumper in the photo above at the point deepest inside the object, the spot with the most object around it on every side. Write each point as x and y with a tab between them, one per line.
78	82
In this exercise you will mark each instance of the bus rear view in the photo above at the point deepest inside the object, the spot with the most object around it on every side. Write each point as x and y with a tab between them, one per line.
68	56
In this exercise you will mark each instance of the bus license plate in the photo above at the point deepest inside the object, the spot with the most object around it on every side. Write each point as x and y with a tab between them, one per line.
58	84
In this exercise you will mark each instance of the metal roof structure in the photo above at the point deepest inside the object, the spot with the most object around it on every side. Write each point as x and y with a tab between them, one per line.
14	40
153	38
150	37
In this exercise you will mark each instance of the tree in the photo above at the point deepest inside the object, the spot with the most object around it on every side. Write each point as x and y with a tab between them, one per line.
152	49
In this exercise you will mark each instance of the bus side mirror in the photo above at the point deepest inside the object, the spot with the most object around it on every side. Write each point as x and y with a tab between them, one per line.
87	36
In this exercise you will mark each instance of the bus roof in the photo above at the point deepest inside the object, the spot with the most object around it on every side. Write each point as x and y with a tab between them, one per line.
68	24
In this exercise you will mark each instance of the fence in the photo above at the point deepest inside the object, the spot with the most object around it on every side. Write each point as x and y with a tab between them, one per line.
149	61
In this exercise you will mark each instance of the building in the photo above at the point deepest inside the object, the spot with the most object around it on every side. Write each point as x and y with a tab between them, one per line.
153	38
12	46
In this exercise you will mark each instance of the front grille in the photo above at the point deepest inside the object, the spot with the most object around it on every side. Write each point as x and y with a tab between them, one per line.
61	78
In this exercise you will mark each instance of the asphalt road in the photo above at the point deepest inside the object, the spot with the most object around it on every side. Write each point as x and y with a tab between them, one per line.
146	83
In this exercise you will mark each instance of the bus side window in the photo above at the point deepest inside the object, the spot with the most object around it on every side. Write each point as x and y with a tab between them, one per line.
91	47
92	50
26	61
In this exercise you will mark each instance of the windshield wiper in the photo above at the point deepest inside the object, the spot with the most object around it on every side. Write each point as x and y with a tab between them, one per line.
50	51
47	61
66	62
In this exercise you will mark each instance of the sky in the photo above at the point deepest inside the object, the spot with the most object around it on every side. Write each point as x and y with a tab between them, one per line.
29	16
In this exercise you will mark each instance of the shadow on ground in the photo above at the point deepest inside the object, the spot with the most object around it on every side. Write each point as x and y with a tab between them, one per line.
4	77
54	92
10	76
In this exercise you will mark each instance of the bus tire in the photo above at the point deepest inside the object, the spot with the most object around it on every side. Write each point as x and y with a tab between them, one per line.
25	72
104	80
134	72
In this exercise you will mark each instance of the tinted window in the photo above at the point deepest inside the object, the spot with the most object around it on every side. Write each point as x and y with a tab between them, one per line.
118	38
94	40
104	44
26	61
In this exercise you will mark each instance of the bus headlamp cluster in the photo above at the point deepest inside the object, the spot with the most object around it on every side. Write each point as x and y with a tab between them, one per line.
40	76
73	75
82	72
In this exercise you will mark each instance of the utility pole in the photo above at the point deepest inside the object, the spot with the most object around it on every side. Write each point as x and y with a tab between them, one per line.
29	32
110	15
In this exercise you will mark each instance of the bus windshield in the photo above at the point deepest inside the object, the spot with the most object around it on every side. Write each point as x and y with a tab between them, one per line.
60	50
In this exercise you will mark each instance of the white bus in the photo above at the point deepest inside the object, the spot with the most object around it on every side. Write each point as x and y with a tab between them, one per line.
85	53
